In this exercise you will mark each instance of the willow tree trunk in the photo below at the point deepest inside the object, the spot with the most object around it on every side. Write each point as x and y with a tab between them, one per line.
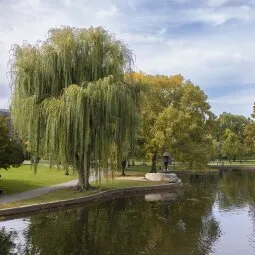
119	155
66	170
154	163
80	170
87	173
81	183
74	105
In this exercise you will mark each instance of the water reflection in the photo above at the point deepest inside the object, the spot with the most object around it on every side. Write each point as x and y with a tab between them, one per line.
163	196
215	215
7	241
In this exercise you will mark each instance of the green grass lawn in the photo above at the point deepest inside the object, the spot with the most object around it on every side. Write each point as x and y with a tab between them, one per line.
20	179
136	170
23	178
70	193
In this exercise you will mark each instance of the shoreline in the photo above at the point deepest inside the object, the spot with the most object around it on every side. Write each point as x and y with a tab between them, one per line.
101	196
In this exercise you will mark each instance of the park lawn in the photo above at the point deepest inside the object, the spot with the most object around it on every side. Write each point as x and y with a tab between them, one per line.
70	193
139	170
23	178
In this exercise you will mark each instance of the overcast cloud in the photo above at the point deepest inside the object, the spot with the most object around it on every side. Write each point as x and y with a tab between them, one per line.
210	42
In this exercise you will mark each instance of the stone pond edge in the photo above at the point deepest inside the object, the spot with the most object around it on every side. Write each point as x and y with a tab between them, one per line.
112	193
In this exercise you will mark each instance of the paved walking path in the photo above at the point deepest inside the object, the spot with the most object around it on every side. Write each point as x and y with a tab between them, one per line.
40	191
36	192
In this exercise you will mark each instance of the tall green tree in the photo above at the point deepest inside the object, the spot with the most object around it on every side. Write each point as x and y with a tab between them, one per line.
232	127
253	114
235	123
11	151
184	127
69	98
175	114
231	145
249	141
249	136
159	91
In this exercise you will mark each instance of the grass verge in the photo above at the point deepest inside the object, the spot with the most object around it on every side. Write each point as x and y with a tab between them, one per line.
70	193
23	178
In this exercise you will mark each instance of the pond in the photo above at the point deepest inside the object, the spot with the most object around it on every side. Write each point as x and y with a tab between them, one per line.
212	214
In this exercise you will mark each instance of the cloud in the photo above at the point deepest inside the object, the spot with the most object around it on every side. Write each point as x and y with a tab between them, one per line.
112	11
217	3
218	17
237	102
204	62
4	103
208	41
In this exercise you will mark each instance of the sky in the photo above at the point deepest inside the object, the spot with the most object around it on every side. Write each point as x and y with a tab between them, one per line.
210	42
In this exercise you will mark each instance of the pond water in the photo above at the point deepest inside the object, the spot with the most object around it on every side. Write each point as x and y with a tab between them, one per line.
214	214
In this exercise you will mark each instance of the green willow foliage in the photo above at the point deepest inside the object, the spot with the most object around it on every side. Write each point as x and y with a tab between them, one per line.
69	98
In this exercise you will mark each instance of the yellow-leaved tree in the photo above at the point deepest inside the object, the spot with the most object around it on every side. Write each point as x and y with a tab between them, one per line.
175	115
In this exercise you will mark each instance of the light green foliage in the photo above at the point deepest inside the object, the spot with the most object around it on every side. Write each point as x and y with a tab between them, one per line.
69	97
249	136
11	151
175	115
231	145
253	114
249	141
215	150
184	127
237	125
159	91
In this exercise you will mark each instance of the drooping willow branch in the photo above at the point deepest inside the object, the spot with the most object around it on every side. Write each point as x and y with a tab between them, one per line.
68	97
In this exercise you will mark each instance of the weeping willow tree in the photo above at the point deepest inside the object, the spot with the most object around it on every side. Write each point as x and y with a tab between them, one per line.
69	98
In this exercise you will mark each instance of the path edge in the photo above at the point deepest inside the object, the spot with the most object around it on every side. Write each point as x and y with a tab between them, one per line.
107	194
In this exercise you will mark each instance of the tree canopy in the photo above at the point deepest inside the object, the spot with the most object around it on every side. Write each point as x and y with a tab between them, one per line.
11	152
232	132
159	91
69	98
249	140
249	136
184	127
175	115
253	114
231	145
235	123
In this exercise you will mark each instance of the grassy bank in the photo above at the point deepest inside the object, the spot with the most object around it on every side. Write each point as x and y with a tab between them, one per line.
70	193
23	178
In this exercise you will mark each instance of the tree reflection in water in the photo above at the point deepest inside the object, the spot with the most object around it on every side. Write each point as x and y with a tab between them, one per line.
183	225
7	244
184	222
